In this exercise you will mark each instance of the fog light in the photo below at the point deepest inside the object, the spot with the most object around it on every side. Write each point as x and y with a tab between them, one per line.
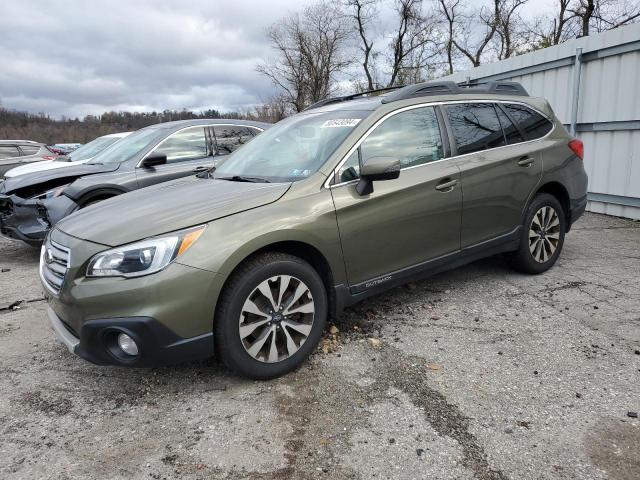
127	345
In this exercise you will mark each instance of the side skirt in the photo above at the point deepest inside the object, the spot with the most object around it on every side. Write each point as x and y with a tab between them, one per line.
346	296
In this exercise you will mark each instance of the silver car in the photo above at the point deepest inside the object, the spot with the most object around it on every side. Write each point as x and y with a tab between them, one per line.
83	154
14	153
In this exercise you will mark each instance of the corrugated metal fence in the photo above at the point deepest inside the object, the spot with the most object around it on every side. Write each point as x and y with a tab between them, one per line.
593	86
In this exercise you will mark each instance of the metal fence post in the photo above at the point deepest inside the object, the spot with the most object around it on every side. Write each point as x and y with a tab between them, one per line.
575	101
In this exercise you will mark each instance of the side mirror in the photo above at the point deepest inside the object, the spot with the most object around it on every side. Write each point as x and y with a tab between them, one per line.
154	160
377	169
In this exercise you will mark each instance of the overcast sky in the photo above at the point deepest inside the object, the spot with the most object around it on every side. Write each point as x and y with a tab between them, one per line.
76	57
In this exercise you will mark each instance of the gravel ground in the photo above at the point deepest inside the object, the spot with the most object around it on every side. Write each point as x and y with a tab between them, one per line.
476	373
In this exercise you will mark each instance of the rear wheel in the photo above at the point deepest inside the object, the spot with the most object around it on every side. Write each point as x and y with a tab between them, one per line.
542	235
271	315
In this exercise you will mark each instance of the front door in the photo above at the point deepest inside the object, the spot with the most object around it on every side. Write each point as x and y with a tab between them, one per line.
188	151
406	221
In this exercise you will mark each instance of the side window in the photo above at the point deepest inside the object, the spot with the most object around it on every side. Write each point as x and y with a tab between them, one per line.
413	137
8	152
230	137
531	122
254	131
511	133
475	127
188	144
29	149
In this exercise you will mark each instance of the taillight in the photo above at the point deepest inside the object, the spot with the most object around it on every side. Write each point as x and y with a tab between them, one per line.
577	147
49	157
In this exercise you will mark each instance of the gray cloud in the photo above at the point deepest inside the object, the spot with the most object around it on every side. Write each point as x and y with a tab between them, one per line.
75	57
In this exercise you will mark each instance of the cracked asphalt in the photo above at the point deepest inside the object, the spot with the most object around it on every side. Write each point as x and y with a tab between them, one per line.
477	373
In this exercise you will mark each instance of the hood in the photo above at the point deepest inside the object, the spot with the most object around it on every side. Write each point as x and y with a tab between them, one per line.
40	166
73	171
167	207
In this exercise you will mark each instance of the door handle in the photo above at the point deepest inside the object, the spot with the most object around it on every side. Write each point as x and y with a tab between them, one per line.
446	185
525	161
200	169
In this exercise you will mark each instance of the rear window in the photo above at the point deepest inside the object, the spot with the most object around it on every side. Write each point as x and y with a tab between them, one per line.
475	127
533	124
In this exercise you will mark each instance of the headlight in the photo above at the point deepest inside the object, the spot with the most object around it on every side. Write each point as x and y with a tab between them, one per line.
54	192
144	257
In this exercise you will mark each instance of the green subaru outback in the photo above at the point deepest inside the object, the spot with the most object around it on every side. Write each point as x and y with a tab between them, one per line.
351	197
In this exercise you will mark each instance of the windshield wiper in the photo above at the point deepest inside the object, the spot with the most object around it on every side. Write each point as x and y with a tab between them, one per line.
241	178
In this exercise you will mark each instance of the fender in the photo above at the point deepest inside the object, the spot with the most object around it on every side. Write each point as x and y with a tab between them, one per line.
100	192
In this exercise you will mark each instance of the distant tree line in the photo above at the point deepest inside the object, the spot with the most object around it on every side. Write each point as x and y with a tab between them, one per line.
385	43
42	128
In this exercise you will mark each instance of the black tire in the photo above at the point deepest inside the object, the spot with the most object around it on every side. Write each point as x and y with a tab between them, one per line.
239	288
523	259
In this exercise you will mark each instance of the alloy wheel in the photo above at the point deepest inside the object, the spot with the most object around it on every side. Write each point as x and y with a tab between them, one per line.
276	318
544	234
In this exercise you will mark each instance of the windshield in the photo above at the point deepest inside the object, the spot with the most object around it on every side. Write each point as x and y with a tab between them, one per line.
91	149
128	146
293	149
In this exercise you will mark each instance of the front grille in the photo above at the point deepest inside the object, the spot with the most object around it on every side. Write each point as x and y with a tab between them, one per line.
54	263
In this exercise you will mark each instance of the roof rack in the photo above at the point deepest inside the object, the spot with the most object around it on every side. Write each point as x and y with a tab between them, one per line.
452	88
345	98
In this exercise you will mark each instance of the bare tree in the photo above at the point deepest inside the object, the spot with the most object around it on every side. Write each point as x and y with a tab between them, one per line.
310	49
448	10
489	18
363	12
604	15
510	28
584	10
575	18
272	110
410	41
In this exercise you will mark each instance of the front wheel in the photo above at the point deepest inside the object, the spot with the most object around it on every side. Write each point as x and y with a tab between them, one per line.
542	235
271	316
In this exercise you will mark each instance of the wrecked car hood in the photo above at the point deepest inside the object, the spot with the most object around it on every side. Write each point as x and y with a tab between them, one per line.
167	207
72	172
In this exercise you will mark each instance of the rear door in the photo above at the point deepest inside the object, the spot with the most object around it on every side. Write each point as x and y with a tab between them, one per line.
498	171
188	152
406	221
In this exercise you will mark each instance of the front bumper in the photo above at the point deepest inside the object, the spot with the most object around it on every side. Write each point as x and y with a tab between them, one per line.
29	220
169	314
97	342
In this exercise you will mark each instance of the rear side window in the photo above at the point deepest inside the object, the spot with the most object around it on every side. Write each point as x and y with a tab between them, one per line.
475	127
533	124
29	149
230	137
511	133
8	152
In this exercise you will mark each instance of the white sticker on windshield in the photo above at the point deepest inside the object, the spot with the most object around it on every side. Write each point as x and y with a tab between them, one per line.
340	122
